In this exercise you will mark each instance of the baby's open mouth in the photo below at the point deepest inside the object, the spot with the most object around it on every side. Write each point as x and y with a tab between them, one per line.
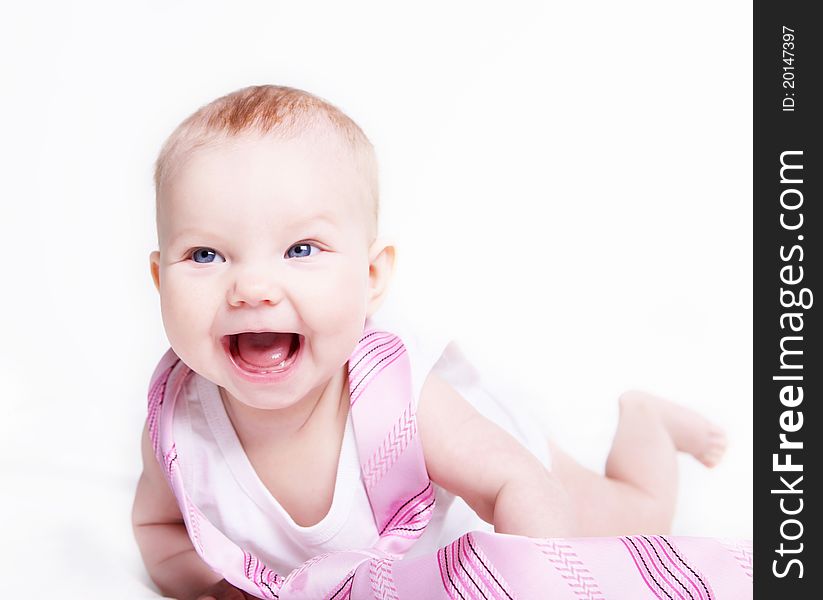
263	352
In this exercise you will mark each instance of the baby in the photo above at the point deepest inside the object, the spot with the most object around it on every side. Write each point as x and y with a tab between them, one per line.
269	270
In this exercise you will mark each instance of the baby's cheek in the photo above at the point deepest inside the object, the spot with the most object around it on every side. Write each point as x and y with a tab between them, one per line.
184	315
338	302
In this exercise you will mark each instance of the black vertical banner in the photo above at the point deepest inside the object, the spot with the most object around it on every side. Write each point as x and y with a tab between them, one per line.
788	370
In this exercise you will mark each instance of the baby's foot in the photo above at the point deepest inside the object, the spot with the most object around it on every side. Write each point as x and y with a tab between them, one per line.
689	430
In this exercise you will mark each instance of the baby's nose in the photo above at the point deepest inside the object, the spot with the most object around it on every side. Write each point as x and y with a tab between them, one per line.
254	286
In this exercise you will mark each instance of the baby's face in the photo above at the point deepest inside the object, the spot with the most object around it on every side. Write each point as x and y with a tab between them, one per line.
265	235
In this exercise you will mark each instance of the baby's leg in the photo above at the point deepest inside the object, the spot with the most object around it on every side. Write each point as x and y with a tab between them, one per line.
638	492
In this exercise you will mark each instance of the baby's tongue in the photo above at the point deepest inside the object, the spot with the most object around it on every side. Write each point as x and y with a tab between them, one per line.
263	349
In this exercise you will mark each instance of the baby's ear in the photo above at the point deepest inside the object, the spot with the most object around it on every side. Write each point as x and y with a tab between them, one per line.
381	267
154	262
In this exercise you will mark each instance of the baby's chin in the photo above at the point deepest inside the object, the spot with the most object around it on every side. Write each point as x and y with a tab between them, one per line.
268	396
267	400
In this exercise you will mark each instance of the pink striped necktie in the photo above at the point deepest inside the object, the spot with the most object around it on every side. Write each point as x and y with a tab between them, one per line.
385	427
477	565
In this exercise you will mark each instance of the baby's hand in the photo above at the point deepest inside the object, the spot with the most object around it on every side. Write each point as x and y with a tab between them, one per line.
223	590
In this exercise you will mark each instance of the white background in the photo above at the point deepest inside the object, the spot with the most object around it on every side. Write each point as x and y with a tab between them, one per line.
569	183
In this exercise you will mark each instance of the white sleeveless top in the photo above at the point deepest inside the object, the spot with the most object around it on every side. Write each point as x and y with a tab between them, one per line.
222	482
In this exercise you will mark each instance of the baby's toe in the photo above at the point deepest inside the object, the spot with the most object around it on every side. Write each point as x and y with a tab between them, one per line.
715	448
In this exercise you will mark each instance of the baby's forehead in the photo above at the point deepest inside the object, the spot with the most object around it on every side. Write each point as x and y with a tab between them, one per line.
309	161
310	179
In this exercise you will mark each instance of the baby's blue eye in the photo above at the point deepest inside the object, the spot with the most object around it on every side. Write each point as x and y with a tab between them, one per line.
205	256
301	250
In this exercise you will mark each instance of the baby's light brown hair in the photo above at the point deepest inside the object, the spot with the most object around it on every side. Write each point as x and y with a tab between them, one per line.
280	111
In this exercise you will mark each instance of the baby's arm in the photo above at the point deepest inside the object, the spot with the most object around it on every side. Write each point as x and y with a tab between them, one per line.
505	484
167	551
